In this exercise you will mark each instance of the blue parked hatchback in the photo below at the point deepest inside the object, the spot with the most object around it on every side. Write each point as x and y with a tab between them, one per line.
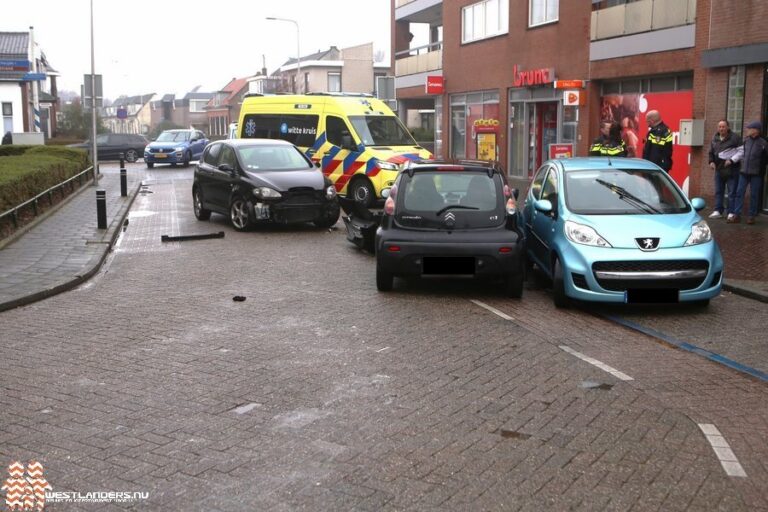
619	230
175	147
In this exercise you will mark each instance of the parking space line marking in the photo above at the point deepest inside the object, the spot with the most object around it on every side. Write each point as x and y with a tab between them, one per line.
492	309
722	450
613	371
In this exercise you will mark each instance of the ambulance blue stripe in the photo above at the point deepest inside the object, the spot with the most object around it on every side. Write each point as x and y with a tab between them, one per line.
350	159
319	142
370	165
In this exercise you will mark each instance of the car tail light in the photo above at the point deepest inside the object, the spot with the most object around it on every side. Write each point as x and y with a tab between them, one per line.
393	248
511	206
505	250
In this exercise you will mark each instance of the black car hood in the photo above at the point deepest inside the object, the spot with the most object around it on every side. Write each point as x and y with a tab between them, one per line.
286	180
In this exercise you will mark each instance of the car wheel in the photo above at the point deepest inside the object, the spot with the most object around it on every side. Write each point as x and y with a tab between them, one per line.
187	158
362	191
558	287
197	203
131	156
150	165
239	214
329	219
384	280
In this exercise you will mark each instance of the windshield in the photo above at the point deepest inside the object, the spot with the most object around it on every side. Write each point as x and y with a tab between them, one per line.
272	158
622	192
381	131
173	137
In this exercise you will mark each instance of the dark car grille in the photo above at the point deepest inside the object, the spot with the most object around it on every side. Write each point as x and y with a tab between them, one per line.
700	267
303	195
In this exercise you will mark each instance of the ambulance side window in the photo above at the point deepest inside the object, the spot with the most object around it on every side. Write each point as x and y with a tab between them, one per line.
300	130
335	129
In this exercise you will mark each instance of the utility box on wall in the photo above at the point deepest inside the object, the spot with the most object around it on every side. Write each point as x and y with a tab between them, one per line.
691	132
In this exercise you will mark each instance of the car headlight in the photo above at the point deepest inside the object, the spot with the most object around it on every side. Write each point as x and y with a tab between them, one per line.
585	235
700	233
179	150
266	193
387	166
330	192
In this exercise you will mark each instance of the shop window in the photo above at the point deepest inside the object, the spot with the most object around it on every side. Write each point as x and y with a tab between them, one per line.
485	19
542	11
685	82
662	84
735	113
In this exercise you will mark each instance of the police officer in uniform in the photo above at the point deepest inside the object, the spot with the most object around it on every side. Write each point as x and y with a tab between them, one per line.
658	143
609	143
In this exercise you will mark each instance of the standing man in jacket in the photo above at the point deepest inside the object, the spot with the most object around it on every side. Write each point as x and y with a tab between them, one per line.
751	174
658	143
726	169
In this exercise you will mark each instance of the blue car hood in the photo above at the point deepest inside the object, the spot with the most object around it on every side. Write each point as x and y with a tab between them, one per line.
621	230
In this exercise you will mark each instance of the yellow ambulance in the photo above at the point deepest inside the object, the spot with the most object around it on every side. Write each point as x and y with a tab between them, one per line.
357	141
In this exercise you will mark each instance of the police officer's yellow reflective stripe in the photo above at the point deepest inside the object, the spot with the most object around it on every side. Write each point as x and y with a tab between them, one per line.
660	141
611	151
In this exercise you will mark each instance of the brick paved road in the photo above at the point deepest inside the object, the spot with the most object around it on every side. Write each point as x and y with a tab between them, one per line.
319	393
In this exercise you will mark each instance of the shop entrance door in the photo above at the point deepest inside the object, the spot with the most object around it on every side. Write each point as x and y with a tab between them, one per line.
542	131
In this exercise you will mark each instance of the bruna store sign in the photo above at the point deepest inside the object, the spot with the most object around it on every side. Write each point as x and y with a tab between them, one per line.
528	77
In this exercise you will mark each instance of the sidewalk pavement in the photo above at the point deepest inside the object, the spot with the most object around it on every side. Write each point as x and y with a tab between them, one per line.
66	248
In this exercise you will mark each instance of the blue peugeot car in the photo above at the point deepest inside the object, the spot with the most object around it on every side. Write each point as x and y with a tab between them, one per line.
175	147
619	230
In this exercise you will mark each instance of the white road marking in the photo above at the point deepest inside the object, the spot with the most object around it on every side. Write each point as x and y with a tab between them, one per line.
722	450
613	371
491	309
382	349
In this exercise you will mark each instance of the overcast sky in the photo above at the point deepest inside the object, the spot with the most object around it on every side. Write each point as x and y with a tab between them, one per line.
171	46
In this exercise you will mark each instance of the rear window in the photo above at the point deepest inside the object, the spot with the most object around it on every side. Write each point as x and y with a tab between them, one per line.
474	199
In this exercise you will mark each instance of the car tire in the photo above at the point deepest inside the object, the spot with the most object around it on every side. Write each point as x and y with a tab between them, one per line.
150	165
513	284
329	219
239	214
197	204
558	286
384	280
187	158
362	191
131	156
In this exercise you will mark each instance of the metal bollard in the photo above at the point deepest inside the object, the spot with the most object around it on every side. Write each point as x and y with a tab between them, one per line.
122	160
101	208
123	183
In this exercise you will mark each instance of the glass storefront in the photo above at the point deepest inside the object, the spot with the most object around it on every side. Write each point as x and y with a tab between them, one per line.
537	119
475	125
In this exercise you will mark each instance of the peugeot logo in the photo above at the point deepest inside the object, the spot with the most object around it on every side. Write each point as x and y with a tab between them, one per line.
647	244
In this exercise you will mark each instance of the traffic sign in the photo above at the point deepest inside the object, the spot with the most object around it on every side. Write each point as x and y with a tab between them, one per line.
33	77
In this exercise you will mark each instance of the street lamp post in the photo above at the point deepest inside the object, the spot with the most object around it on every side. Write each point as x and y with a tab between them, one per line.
298	50
94	150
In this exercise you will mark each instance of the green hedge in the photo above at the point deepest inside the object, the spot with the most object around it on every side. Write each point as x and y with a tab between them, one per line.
25	171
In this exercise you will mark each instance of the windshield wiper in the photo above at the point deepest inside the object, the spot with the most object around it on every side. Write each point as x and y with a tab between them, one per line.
460	206
626	196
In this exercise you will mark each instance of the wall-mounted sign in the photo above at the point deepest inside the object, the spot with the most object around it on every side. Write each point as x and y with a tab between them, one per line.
14	65
530	77
486	146
569	84
435	84
573	98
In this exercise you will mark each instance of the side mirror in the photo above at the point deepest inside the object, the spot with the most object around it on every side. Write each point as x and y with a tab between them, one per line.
543	205
347	143
698	204
226	168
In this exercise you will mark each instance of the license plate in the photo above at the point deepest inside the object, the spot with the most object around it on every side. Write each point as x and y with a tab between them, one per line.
459	265
652	296
161	155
